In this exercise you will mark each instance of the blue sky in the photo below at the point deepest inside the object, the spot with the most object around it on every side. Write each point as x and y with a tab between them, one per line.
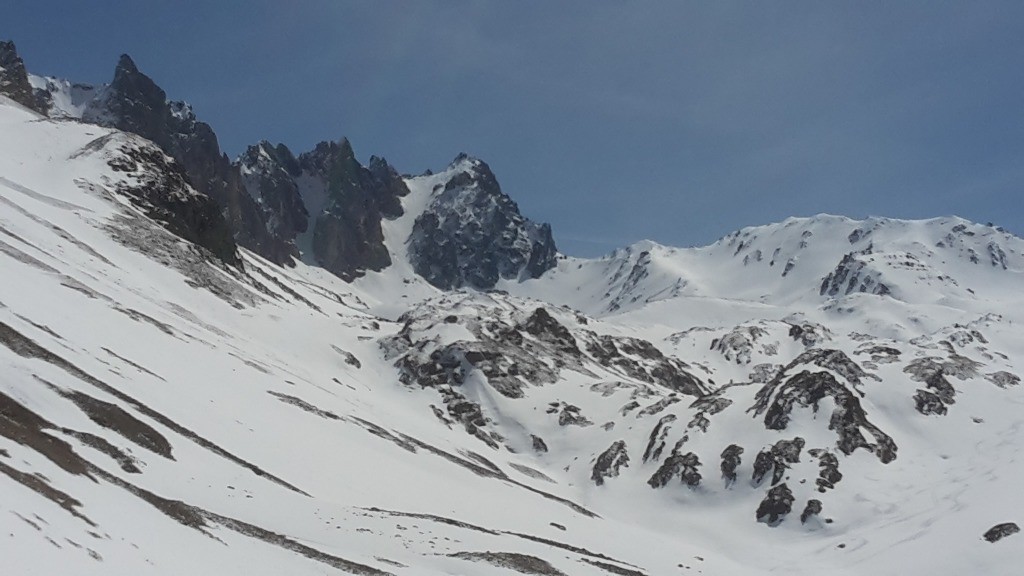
613	120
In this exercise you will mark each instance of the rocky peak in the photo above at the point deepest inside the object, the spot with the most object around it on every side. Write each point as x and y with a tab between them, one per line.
473	234
268	174
14	78
136	104
350	202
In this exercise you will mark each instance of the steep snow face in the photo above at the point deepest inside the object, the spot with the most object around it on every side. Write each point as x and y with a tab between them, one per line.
686	413
71	100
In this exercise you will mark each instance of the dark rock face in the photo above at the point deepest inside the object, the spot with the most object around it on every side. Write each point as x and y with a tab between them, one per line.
161	190
809	334
609	462
14	79
656	442
473	234
268	174
134	103
642	360
568	414
683	466
738	344
539	445
852	275
940	393
513	349
778	398
730	461
347	235
390	187
928	403
542	325
777	460
812	509
828	474
776	505
1000	531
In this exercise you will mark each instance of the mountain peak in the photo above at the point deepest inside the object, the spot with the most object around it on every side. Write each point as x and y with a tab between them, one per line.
14	82
7	52
126	64
473	234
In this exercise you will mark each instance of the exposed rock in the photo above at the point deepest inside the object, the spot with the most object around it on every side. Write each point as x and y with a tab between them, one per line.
933	371
658	406
763	463
1000	531
641	360
957	366
776	505
730	461
928	403
134	103
788	450
762	373
853	275
609	462
522	563
539	445
347	235
738	345
778	398
809	334
1003	379
656	440
777	459
268	174
879	354
470	415
472	234
997	255
828	464
159	187
712	404
682	465
542	325
812	509
14	79
570	416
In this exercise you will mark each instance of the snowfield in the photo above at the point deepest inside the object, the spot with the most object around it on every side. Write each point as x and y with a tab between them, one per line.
658	411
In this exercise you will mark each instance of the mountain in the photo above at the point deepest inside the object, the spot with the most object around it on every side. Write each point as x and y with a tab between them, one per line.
430	388
471	233
323	206
14	80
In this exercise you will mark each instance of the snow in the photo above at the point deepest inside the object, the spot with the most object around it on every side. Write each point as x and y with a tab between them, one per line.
267	380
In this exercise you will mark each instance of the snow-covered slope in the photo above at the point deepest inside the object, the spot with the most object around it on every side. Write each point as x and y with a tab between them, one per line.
944	261
758	406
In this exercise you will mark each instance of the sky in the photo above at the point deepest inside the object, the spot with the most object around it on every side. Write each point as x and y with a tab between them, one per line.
615	121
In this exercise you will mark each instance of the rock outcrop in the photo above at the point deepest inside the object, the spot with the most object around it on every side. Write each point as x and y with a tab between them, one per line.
1000	531
347	202
819	379
268	174
159	187
134	103
776	505
472	234
14	79
609	462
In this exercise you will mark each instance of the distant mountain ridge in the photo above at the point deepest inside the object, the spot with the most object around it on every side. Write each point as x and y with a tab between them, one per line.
322	203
